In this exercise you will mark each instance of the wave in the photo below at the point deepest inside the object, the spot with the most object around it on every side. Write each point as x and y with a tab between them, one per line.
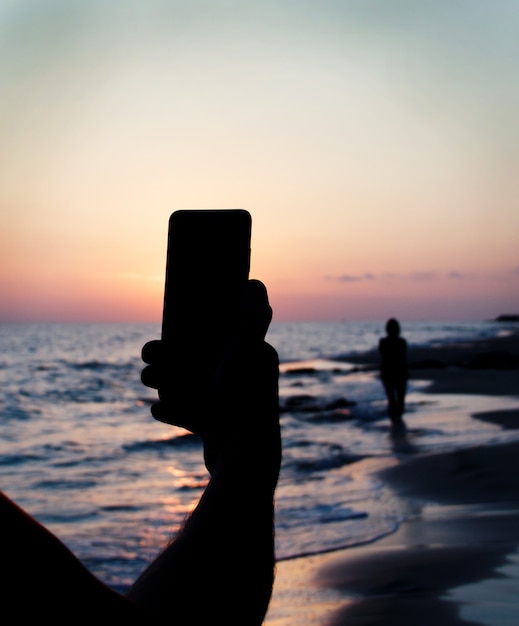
322	464
11	409
308	457
305	403
99	365
67	517
120	508
316	515
65	484
337	545
19	459
181	441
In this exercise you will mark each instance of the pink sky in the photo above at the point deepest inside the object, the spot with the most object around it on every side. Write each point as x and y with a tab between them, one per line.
378	165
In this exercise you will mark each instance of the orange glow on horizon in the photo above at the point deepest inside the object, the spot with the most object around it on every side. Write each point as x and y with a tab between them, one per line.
374	183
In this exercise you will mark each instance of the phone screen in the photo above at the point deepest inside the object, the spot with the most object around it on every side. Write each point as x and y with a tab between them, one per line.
207	268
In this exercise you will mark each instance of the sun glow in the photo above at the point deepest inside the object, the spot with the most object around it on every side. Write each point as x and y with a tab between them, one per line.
373	182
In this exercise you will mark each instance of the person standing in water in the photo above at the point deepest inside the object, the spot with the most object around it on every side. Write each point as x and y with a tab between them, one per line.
393	369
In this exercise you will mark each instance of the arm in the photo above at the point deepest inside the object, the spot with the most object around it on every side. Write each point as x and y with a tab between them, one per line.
220	568
41	577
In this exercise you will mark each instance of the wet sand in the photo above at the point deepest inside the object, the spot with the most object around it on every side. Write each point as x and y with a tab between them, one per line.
456	560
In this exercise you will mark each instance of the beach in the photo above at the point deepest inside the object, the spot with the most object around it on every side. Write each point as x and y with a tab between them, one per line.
455	558
80	451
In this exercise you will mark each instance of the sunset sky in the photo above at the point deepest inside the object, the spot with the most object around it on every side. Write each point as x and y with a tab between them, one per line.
374	142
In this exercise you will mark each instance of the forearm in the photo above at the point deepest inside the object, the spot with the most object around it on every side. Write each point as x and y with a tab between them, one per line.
220	568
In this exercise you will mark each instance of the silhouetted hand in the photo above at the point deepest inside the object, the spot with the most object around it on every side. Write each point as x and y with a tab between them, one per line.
242	419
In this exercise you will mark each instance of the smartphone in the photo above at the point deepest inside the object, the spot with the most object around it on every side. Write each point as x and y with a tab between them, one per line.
207	268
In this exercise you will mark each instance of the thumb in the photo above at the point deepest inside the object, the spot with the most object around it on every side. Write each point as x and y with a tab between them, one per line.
257	312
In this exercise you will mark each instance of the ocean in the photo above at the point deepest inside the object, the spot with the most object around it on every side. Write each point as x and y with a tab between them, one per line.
80	451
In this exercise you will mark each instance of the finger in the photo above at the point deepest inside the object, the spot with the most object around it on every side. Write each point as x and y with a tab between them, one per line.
162	412
159	413
271	358
257	312
150	377
152	351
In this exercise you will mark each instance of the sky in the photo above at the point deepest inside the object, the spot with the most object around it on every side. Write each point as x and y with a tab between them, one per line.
374	142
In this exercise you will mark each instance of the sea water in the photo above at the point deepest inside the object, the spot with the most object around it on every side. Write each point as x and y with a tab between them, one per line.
80	451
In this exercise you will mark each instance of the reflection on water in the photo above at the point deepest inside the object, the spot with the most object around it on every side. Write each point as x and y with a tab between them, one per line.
79	449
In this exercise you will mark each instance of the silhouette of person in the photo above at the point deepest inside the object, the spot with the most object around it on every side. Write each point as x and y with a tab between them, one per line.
393	369
220	567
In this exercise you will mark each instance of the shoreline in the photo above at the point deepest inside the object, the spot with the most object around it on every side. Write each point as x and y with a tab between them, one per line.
465	534
455	560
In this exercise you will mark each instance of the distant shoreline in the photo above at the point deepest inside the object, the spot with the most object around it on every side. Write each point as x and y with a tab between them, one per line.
450	353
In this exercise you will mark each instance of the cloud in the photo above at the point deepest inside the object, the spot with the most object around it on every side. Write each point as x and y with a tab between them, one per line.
423	276
355	278
352	278
455	275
